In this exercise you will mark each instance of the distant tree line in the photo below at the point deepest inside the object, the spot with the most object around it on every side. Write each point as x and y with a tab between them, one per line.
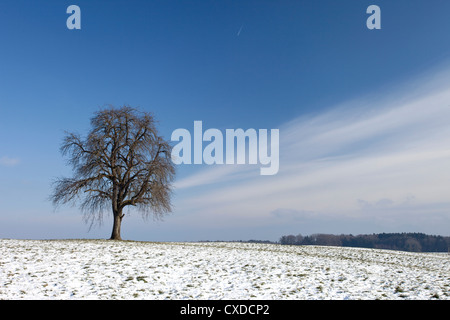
415	242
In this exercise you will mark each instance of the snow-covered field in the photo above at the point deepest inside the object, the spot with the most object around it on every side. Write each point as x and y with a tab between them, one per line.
102	269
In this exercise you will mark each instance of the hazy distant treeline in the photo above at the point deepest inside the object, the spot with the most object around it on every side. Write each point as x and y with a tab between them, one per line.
416	242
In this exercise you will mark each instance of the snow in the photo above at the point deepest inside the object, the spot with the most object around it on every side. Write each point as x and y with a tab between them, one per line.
103	269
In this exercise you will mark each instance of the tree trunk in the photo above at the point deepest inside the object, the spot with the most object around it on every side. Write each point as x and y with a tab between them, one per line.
115	235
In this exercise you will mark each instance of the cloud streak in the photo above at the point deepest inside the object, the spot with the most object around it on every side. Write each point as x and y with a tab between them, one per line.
239	32
8	161
358	160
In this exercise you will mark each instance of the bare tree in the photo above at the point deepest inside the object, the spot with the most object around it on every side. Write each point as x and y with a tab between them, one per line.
122	162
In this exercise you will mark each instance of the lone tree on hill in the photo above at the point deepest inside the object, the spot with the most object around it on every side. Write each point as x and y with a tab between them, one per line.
122	162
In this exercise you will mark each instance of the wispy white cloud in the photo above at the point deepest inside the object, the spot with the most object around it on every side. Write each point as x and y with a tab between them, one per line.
355	160
211	175
239	32
8	161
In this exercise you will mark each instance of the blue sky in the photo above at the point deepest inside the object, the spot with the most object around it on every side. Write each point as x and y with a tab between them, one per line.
363	114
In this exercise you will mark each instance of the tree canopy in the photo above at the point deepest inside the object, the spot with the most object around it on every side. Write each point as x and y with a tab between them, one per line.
121	162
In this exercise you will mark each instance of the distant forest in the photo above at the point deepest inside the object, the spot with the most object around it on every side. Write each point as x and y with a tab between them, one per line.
415	242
